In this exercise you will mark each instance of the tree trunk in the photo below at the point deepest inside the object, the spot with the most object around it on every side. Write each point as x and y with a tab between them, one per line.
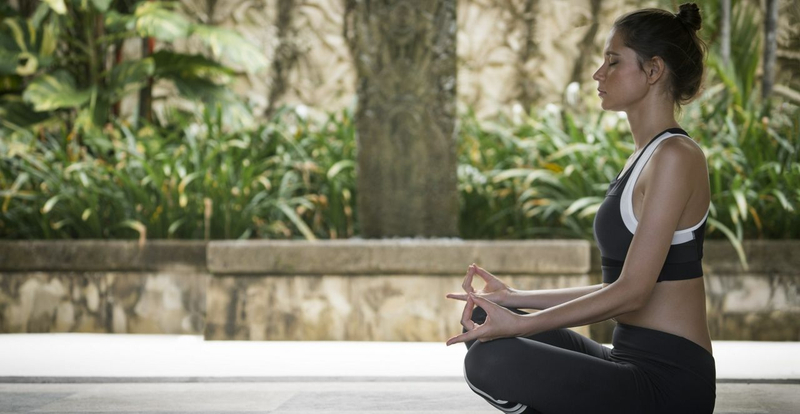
586	46
529	90
770	46
286	54
146	93
725	23
404	53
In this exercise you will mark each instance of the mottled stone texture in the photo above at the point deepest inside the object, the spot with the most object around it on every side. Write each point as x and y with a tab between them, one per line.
104	302
108	286
381	290
349	308
389	290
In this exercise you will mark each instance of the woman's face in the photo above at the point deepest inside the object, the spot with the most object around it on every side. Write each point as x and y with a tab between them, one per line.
621	82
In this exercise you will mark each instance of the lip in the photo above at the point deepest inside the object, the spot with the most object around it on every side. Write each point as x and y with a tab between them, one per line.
599	92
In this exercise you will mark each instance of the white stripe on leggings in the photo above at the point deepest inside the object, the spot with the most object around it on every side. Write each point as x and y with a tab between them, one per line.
517	409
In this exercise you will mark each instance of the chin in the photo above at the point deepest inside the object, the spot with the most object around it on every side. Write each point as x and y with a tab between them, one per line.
608	107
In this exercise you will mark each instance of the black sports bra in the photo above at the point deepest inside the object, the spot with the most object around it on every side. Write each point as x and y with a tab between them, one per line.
615	224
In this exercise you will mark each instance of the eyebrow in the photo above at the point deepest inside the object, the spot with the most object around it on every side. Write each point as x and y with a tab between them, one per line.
612	53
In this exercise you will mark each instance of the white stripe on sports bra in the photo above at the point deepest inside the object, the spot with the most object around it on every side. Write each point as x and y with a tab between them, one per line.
626	203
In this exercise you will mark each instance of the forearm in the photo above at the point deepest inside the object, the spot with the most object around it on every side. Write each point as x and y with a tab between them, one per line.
547	298
594	307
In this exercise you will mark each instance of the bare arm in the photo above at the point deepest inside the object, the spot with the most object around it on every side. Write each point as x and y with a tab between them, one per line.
500	293
547	298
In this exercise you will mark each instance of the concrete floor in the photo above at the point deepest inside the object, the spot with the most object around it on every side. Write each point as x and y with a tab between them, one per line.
94	373
335	397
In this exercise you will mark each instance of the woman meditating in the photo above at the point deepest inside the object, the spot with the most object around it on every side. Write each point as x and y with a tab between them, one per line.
649	230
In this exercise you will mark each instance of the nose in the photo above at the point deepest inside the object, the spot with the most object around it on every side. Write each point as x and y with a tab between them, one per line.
596	75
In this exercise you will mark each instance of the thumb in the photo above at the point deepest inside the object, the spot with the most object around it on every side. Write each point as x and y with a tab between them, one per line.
482	273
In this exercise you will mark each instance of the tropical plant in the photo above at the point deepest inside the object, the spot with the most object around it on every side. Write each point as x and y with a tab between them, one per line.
542	177
185	181
53	68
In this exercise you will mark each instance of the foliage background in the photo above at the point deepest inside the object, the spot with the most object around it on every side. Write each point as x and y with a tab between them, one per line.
537	167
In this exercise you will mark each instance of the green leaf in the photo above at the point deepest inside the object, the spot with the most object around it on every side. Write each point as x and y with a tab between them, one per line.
116	22
49	39
135	225
580	203
49	92
8	63
735	242
101	5
787	205
129	77
19	182
301	225
58	6
50	204
338	167
741	202
182	67
571	149
154	20
18	33
231	45
175	225
26	64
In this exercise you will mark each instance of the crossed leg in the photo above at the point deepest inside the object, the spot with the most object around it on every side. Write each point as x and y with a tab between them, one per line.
558	371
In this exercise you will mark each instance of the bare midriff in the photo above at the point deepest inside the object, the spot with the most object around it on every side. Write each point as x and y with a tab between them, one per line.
675	306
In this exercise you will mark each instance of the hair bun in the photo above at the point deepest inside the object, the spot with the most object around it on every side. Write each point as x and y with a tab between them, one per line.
689	14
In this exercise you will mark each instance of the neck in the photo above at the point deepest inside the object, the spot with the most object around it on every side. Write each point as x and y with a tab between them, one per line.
650	118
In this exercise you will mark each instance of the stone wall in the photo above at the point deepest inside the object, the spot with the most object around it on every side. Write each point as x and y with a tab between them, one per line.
384	290
508	58
103	286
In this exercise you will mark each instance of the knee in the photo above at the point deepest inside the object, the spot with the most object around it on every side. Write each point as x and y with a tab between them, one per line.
483	360
474	363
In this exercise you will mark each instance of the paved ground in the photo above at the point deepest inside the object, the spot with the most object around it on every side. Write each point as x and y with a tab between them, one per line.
88	373
335	397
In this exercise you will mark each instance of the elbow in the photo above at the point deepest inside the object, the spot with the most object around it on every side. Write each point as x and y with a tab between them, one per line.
636	300
631	299
633	304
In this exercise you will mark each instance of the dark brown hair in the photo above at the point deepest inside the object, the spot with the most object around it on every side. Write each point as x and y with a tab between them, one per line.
673	37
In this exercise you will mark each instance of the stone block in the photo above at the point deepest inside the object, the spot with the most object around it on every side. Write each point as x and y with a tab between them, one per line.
396	257
349	308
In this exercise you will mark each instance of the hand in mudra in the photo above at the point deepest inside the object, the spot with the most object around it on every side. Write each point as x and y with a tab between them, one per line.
494	290
500	322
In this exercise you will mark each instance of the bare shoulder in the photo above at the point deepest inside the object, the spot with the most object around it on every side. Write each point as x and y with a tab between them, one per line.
679	155
679	163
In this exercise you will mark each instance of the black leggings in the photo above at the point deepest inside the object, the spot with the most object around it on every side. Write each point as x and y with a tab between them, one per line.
563	372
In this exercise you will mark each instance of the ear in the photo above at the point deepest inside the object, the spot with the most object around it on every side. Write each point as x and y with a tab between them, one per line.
654	69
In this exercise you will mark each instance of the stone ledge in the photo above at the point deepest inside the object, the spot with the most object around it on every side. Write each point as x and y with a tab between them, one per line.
102	255
360	256
392	256
763	257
